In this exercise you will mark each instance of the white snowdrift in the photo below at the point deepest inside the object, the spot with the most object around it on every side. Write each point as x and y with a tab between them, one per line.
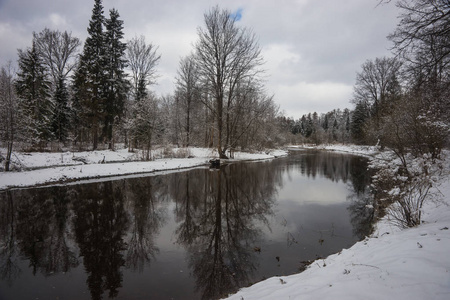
48	168
392	264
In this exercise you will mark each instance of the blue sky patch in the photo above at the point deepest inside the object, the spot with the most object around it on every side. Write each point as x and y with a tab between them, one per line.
237	14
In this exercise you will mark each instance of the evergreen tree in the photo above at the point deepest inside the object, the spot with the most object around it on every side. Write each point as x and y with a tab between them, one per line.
303	125
80	93
116	84
141	91
347	119
33	90
335	130
359	118
61	113
325	123
308	126
89	77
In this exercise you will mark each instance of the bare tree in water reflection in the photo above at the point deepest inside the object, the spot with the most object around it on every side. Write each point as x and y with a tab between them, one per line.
145	197
219	214
361	199
37	227
9	269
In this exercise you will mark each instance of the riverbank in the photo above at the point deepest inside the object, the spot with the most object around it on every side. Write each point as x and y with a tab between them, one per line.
44	168
390	264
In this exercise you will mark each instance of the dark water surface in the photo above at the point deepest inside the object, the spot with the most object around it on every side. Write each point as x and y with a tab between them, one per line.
197	234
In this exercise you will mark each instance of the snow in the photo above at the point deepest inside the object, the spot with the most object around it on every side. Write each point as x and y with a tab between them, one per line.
52	168
392	263
351	149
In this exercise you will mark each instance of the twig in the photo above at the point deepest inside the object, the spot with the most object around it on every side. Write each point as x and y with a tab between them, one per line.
364	265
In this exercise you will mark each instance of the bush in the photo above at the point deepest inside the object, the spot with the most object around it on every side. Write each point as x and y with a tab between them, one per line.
406	211
401	187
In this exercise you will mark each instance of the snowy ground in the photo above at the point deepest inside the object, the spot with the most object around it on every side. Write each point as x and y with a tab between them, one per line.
391	264
48	168
353	149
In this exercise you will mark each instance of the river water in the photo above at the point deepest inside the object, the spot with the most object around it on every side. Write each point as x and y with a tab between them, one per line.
196	234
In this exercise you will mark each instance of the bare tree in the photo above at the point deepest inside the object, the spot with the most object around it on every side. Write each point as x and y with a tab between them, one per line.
188	95
250	118
142	60
145	125
422	40
58	51
424	28
376	88
377	81
226	55
8	111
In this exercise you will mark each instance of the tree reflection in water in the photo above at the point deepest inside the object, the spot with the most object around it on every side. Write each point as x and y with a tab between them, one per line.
146	216
36	227
100	223
221	218
9	269
217	213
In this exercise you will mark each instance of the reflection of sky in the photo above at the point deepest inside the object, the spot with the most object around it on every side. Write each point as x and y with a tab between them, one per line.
299	188
166	238
311	220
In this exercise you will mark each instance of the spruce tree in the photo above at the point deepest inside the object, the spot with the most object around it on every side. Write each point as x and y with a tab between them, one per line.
80	92
61	113
33	90
335	130
325	123
357	125
116	84
89	77
309	128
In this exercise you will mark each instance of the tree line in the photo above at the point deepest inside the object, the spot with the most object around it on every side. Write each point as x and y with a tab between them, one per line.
62	98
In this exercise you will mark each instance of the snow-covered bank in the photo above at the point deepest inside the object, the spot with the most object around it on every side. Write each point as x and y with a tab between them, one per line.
352	149
392	264
48	168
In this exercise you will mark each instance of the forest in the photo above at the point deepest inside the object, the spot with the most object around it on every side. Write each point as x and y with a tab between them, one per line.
69	95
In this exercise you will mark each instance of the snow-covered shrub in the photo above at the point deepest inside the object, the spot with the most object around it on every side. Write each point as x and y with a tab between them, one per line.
406	211
170	152
402	186
183	153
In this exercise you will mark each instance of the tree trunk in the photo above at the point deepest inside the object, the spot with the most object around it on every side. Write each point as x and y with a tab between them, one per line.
8	155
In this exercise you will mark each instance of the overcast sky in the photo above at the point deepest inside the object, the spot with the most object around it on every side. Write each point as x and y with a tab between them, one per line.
312	48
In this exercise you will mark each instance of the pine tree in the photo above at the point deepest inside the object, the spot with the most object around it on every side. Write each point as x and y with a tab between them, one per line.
61	113
141	91
116	84
357	125
325	123
33	90
89	78
335	130
308	126
80	93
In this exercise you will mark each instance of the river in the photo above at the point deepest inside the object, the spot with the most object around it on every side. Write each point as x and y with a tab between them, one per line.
196	234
